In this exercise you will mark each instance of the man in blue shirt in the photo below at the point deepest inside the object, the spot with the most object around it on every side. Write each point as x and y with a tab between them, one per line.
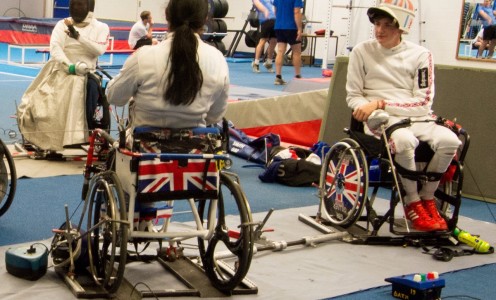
267	17
288	29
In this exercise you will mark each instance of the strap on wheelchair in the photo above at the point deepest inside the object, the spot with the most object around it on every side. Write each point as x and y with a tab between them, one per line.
205	171
421	176
401	124
446	254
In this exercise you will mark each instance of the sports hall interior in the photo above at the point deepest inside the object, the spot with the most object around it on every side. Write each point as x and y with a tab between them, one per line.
302	112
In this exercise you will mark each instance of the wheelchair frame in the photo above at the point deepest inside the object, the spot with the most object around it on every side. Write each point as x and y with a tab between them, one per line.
344	191
109	209
8	178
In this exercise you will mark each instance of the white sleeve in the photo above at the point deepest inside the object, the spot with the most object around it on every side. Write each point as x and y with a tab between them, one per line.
123	86
219	106
97	45
57	43
355	80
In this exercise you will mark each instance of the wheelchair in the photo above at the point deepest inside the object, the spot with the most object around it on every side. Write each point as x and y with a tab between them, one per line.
360	163
8	178
98	118
137	186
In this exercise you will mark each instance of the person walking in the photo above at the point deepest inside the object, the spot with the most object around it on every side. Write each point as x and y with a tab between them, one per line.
266	16
288	28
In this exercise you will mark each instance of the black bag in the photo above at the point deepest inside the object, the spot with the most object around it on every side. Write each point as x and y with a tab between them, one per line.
291	171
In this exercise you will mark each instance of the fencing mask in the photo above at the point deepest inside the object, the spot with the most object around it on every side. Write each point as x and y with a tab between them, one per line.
79	9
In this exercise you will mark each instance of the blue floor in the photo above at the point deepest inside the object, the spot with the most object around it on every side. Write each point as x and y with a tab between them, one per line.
476	283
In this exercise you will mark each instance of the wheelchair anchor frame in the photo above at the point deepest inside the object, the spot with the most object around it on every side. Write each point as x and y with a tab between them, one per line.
97	268
343	195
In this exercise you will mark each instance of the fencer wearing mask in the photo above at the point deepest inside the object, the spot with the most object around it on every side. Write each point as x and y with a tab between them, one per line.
57	108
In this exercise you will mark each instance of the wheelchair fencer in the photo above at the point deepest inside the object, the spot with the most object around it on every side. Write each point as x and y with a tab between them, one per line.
137	185
58	111
356	163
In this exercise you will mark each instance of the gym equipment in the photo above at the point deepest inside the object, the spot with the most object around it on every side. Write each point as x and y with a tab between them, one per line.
139	185
250	41
346	177
8	178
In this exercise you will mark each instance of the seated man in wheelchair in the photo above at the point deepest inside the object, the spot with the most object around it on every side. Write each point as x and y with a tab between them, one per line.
57	108
390	74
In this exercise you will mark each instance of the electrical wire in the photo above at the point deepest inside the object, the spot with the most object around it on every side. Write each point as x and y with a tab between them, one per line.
480	190
147	286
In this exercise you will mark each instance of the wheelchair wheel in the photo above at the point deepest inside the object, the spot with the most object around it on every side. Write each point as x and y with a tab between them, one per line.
8	178
227	255
106	205
344	183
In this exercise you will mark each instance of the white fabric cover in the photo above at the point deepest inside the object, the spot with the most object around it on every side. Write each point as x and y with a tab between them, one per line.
51	117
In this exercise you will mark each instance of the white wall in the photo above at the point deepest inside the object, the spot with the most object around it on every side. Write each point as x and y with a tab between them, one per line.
436	27
440	22
22	8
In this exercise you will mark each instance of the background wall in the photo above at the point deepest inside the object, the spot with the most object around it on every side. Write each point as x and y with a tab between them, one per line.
436	27
22	8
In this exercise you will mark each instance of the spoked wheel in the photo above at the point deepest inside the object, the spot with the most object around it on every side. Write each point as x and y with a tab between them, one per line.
227	255
108	236
344	183
8	178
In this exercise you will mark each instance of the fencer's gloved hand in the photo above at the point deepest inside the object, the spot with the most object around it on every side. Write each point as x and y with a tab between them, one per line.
73	33
79	68
377	118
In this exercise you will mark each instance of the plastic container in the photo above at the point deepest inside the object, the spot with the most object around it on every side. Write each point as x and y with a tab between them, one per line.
475	242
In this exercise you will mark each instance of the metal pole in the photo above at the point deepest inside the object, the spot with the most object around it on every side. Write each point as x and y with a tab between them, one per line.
327	35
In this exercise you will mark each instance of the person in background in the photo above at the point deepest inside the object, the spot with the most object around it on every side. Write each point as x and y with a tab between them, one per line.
391	74
57	108
267	17
488	15
288	29
180	83
142	32
476	42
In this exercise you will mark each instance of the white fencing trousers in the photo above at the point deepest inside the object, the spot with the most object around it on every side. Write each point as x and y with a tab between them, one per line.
442	141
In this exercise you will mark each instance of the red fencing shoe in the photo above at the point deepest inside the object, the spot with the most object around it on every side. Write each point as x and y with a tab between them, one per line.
420	218
431	208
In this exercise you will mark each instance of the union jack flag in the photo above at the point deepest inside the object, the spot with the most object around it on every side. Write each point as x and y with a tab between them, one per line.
344	184
169	176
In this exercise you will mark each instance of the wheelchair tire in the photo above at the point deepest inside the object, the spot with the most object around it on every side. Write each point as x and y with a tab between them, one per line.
344	183
106	205
236	240
8	178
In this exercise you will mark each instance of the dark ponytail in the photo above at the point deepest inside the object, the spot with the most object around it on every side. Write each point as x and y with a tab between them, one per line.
185	78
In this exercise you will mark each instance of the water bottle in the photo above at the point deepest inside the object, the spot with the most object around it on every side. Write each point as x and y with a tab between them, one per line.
308	29
479	245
